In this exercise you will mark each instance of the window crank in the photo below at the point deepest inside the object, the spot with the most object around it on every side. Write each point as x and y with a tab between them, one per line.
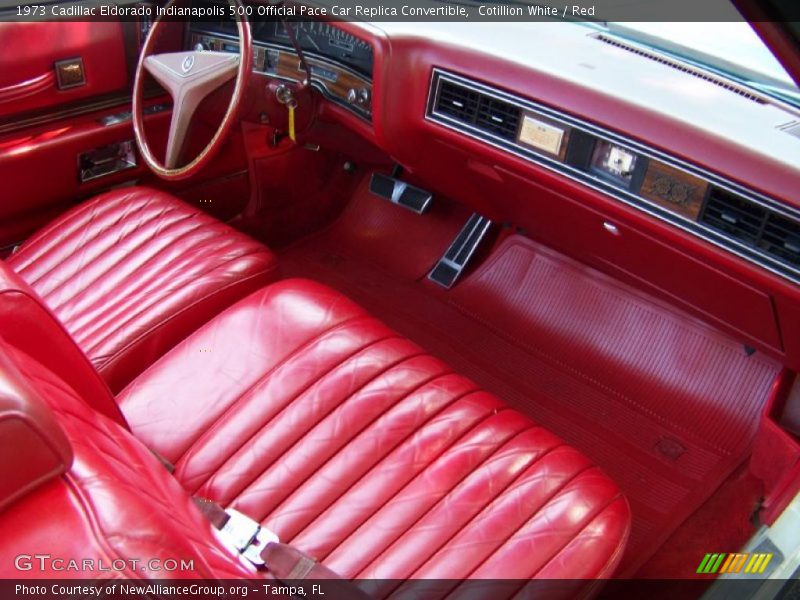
285	95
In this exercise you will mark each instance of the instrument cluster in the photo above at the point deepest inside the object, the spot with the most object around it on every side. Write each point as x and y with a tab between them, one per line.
340	64
321	39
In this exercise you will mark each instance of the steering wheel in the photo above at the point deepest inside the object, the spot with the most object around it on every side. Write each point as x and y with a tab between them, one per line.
189	77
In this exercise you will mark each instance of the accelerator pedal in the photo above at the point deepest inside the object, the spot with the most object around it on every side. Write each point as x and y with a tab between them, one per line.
458	255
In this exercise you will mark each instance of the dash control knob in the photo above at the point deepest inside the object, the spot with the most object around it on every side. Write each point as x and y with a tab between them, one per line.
360	97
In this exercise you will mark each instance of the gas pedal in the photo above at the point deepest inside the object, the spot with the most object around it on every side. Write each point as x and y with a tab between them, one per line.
458	255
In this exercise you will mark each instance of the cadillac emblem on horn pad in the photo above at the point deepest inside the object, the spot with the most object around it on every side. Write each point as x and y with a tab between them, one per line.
187	63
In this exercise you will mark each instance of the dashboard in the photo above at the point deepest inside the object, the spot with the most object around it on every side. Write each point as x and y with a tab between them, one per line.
664	178
341	64
740	220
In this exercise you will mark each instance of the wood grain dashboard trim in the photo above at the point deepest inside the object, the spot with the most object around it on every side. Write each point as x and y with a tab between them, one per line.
287	66
674	189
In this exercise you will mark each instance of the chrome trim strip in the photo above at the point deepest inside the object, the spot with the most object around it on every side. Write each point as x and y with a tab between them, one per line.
58	113
596	183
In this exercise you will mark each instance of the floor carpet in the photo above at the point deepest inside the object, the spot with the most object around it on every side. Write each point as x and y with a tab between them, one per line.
667	405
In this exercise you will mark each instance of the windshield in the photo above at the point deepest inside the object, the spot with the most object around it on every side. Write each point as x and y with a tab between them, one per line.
733	49
729	47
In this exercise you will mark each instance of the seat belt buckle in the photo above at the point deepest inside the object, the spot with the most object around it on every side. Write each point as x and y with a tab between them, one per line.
247	536
263	538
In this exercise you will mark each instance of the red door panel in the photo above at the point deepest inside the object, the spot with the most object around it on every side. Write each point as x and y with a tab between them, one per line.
29	51
39	168
48	134
39	161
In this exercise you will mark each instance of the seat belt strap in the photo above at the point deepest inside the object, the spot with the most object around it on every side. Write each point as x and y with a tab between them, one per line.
167	465
211	511
288	563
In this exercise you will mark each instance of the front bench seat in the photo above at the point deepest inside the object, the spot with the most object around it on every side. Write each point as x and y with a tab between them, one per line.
300	410
348	440
133	271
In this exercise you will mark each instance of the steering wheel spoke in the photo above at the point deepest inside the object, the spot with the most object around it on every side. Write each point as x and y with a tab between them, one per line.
188	77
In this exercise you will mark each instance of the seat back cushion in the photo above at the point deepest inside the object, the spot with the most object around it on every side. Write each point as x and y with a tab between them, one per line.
133	271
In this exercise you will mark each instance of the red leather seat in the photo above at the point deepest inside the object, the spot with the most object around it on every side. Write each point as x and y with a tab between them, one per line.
133	271
302	411
351	443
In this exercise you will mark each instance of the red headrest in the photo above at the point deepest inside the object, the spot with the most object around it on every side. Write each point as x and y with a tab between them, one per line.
33	447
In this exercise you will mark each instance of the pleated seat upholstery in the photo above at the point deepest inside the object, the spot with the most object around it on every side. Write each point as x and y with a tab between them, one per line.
351	443
132	272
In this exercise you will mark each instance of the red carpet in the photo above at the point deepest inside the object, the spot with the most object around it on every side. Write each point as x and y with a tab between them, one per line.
665	404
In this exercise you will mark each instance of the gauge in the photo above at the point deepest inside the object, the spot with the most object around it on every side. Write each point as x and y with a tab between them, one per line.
319	39
614	162
308	38
327	40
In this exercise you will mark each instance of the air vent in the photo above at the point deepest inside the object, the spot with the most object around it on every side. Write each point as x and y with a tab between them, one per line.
754	225
735	216
458	102
685	68
781	239
498	117
477	109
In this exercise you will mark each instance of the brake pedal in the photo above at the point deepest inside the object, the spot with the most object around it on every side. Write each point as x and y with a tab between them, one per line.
401	193
458	255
